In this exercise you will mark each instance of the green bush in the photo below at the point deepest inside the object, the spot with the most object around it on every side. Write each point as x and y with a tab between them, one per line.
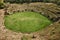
53	1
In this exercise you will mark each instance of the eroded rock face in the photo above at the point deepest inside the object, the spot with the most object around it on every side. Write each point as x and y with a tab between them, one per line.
1	17
49	10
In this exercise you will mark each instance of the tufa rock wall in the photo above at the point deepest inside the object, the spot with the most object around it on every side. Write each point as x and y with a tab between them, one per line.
1	17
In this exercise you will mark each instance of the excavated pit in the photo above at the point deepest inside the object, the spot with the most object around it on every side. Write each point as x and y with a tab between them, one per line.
52	32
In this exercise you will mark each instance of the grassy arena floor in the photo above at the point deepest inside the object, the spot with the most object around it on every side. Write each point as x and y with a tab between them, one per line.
26	22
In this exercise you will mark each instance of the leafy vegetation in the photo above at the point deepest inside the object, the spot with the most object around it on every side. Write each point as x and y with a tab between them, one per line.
1	4
26	22
28	1
53	1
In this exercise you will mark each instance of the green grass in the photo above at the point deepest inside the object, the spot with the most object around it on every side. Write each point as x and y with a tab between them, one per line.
26	22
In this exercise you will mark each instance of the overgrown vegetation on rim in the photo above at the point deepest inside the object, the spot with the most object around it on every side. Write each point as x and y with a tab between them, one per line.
28	1
26	22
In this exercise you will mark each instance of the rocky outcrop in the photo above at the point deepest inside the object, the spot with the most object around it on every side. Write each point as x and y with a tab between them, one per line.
1	17
50	10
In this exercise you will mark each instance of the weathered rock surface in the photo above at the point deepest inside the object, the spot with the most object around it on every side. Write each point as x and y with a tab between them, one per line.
50	10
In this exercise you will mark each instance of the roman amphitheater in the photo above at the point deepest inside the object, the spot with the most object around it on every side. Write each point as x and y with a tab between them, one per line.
49	10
